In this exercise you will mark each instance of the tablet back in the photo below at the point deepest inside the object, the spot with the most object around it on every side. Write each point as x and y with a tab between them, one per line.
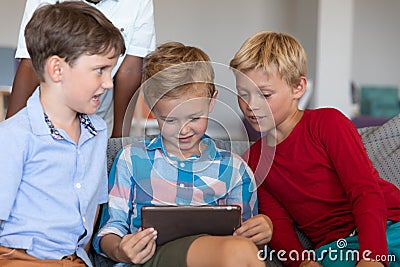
173	222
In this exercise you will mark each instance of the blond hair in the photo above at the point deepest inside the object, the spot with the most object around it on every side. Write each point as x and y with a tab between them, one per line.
267	50
173	69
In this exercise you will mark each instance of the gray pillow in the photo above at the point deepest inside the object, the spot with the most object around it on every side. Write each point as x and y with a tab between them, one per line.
383	148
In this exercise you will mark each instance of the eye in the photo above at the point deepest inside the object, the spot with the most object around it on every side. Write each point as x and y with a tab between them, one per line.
243	95
99	70
195	118
168	120
266	95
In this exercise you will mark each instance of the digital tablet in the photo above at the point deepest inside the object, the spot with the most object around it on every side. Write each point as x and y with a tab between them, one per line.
173	222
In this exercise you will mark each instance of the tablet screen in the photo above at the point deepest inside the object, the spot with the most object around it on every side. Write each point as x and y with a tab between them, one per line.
173	222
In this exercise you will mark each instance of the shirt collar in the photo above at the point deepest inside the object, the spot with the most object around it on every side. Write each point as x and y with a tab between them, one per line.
85	122
53	131
211	151
41	124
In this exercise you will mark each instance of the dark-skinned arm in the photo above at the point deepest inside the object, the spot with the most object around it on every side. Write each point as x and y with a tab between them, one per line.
25	82
126	82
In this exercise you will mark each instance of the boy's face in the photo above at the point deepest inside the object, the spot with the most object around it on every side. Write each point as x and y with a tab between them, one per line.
86	80
266	101
183	121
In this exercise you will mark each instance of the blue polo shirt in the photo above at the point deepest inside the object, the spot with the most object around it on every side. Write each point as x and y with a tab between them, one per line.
50	186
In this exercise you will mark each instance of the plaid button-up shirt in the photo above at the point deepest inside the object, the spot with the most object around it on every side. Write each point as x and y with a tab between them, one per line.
144	174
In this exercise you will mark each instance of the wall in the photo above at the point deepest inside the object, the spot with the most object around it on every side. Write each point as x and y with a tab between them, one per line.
334	52
220	26
375	42
11	12
305	28
376	53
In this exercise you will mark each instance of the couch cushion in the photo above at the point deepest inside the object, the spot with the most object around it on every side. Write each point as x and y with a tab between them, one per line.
383	147
381	142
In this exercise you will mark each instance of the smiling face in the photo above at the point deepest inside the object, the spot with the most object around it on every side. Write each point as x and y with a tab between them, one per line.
183	121
86	80
266	100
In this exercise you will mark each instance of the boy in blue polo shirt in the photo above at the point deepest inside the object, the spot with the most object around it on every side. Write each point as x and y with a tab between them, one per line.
182	166
53	172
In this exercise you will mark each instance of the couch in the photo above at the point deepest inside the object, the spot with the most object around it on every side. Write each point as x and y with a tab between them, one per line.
381	142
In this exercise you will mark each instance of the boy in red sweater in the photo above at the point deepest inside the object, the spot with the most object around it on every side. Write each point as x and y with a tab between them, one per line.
314	169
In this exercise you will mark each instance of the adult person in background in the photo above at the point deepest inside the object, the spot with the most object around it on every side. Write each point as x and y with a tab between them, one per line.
135	20
53	173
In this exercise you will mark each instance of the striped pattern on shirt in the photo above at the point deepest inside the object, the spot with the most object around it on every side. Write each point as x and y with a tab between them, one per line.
144	174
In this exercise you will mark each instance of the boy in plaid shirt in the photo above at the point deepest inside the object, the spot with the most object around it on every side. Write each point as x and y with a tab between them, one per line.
182	166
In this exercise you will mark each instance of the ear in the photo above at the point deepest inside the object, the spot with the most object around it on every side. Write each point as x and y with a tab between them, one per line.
212	101
54	67
300	89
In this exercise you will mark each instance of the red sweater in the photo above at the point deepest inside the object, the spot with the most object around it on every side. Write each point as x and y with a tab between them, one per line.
322	180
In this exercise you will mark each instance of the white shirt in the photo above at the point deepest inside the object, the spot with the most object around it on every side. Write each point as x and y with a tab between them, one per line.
135	20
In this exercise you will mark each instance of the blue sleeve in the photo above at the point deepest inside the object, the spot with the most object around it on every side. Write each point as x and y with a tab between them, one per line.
115	217
12	157
243	190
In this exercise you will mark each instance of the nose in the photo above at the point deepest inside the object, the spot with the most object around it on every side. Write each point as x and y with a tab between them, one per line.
108	82
253	102
185	128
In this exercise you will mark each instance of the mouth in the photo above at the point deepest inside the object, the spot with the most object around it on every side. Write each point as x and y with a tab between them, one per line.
254	118
96	99
185	139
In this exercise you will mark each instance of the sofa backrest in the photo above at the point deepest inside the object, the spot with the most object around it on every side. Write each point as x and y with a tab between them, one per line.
381	142
383	147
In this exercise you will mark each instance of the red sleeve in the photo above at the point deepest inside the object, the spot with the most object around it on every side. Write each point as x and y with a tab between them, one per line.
284	238
360	181
285	241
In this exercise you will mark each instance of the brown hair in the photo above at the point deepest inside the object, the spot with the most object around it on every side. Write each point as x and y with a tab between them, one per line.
69	30
172	70
266	50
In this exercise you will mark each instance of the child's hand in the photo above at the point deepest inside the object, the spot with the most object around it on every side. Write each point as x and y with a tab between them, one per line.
310	263
258	229
138	247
